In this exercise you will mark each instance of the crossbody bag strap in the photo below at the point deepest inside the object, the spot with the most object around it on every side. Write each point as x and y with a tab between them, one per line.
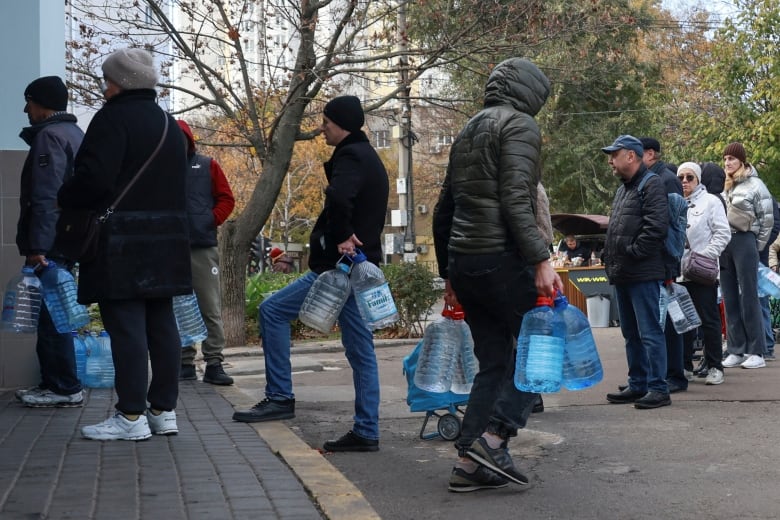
110	209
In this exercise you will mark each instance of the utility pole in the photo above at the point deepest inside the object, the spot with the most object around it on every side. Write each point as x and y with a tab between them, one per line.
406	140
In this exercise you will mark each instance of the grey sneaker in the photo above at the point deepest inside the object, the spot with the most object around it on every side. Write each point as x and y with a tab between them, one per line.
119	428
483	478
162	424
48	399
497	460
714	377
30	390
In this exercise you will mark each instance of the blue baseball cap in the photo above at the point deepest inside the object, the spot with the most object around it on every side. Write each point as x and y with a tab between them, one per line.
626	142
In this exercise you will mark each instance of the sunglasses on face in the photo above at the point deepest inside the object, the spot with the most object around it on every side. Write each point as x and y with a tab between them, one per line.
688	178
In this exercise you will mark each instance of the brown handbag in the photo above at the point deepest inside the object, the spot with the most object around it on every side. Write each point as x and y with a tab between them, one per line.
700	269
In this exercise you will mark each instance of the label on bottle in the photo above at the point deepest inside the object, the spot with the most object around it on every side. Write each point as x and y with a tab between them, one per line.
378	302
676	312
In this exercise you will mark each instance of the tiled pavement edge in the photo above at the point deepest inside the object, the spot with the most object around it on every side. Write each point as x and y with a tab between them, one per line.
214	468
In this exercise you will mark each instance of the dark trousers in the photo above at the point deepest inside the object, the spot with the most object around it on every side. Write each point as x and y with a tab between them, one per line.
739	283
675	366
141	331
705	299
56	357
495	292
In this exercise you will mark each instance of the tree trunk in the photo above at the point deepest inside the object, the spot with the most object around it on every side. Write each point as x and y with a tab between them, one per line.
234	260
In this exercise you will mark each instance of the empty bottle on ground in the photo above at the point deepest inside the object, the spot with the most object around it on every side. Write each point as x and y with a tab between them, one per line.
189	320
581	362
22	302
100	364
325	299
438	354
540	346
60	296
681	309
768	282
372	293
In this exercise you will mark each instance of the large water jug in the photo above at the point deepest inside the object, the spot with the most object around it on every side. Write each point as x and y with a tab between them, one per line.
466	364
80	349
581	363
100	365
59	295
189	320
540	346
768	282
22	302
372	293
325	299
681	309
438	354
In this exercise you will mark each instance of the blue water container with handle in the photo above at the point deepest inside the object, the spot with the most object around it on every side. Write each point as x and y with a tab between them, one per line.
540	347
325	299
581	363
60	296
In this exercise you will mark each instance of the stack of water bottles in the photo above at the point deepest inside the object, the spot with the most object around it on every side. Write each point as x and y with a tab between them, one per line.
556	348
189	320
22	302
372	293
446	361
681	309
99	369
59	295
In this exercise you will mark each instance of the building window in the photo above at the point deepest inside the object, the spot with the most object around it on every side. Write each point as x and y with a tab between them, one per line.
382	139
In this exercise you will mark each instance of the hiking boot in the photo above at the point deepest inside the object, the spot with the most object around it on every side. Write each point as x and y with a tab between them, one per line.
216	375
351	441
714	377
652	400
497	460
29	390
267	410
187	373
119	428
482	478
163	423
48	399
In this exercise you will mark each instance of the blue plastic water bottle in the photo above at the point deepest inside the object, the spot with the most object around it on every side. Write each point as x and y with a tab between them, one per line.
22	302
681	309
466	364
581	363
59	294
80	348
189	320
325	299
372	293
438	354
540	346
768	282
100	364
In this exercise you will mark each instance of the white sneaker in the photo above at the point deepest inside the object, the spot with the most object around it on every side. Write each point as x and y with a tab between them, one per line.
714	377
29	390
688	374
120	428
753	361
733	360
162	424
48	399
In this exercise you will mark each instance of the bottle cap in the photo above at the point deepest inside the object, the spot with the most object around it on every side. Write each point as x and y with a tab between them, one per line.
342	267
359	257
543	301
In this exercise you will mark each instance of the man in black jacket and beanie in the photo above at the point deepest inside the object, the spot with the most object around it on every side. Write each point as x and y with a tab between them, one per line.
353	216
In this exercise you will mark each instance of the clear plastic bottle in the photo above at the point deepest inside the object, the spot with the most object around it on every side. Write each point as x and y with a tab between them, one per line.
438	354
540	346
325	299
581	363
22	302
372	293
100	364
80	349
60	296
466	364
768	282
189	320
681	309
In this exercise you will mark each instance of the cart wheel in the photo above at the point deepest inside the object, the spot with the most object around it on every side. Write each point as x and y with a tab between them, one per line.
449	427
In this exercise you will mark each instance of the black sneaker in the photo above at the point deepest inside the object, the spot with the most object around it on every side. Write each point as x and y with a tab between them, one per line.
216	375
538	405
483	478
652	400
267	410
187	373
625	396
351	441
497	460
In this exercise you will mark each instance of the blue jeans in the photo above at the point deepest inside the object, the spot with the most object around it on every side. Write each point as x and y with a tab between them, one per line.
56	357
641	323
495	292
275	315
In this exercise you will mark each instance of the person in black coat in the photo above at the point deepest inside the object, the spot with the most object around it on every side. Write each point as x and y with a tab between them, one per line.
143	257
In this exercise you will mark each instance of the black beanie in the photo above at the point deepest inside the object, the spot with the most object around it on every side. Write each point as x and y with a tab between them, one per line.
49	92
346	112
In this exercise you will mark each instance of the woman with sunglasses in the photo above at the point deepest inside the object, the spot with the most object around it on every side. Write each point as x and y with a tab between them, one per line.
708	234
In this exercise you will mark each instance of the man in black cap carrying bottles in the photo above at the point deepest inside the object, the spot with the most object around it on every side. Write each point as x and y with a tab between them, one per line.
54	138
353	216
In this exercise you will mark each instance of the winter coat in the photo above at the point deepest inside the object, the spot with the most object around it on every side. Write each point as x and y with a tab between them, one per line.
708	231
634	246
488	201
53	146
355	203
143	250
748	193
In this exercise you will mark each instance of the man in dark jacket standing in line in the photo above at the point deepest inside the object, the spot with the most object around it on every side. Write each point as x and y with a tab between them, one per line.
495	261
54	138
353	216
209	203
143	257
634	263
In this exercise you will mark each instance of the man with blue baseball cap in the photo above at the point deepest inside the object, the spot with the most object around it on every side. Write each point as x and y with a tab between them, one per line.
634	263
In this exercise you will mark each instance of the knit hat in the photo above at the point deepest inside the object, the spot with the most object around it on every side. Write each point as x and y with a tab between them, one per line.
713	177
346	112
49	92
737	151
131	69
275	253
690	166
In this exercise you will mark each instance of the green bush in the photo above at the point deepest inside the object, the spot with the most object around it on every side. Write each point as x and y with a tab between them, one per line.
414	292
